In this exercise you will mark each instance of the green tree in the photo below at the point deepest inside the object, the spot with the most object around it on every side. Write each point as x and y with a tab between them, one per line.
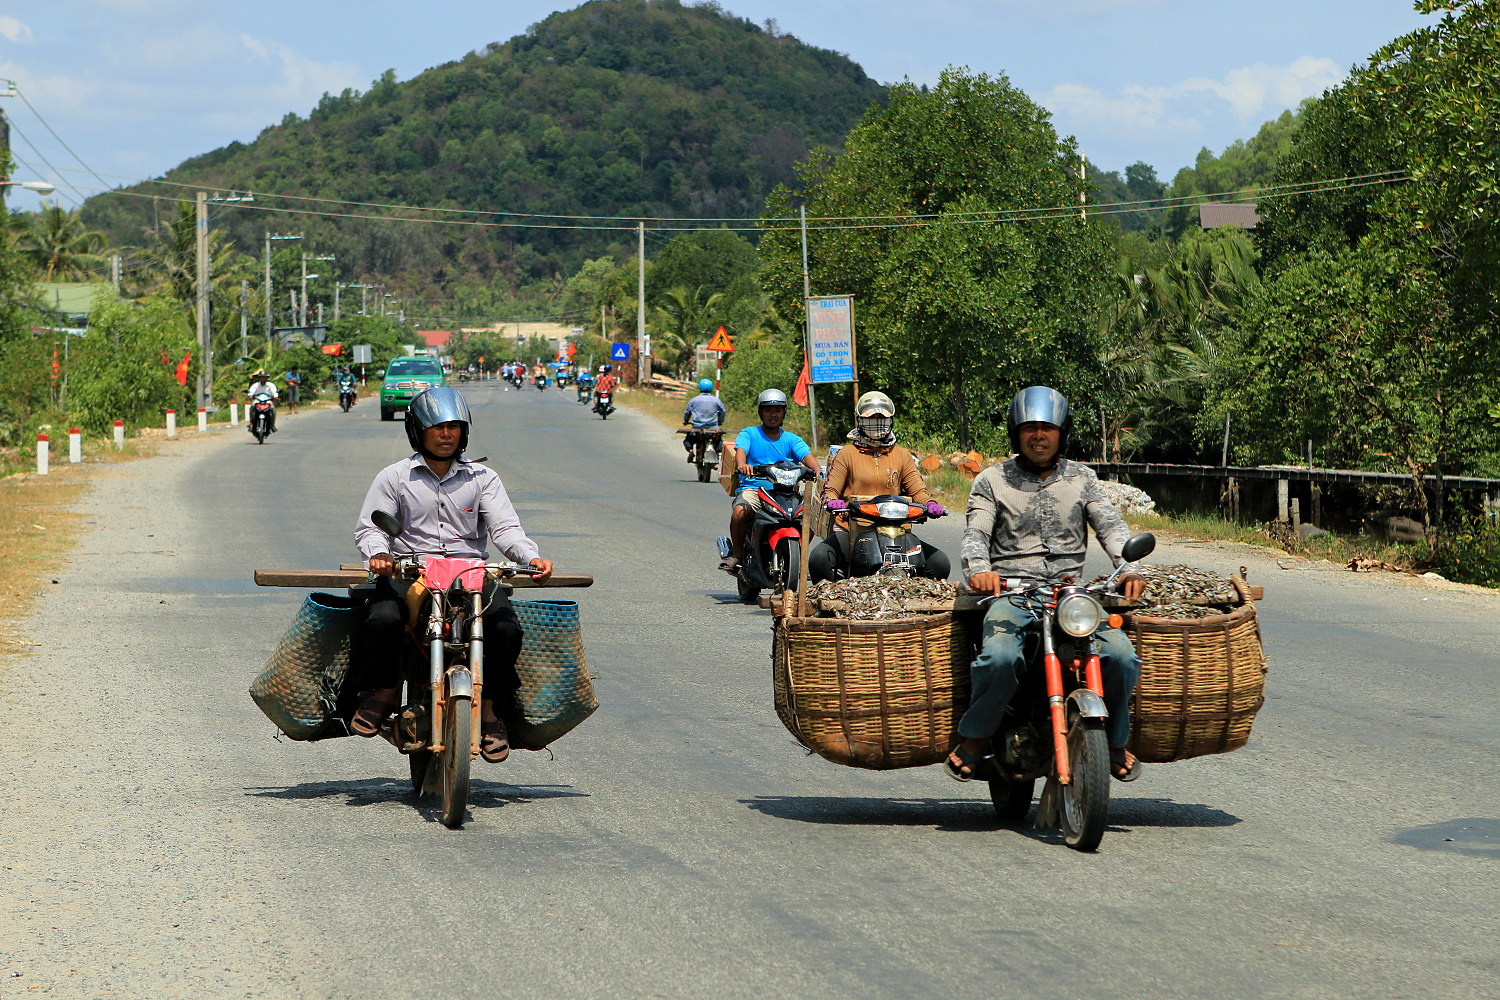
956	308
59	245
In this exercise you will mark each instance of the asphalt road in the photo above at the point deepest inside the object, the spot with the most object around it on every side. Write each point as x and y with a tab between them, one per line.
158	841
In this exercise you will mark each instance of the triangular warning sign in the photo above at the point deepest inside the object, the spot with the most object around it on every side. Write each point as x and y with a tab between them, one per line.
720	341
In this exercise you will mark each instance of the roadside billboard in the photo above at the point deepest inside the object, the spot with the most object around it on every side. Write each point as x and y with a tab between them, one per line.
830	336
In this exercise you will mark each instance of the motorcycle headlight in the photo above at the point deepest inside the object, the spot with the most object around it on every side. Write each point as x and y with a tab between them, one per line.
786	477
1079	615
892	509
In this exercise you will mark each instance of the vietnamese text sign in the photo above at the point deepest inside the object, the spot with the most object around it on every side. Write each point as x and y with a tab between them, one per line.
830	334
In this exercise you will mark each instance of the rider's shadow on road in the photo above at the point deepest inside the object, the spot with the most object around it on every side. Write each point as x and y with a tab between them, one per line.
954	815
373	791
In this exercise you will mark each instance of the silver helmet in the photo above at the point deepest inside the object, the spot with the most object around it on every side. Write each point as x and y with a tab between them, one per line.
1039	404
875	416
434	406
771	397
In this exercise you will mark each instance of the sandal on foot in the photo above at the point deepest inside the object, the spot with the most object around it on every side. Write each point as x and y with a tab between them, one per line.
967	759
1123	765
368	717
494	742
729	565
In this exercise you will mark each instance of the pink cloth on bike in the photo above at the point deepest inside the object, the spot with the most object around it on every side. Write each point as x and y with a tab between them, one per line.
439	572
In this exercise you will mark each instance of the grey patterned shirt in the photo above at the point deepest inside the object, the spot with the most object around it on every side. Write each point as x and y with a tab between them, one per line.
1021	526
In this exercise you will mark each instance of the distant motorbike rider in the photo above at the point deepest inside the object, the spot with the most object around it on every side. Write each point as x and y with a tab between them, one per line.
765	443
604	385
1028	522
704	412
872	465
447	506
261	384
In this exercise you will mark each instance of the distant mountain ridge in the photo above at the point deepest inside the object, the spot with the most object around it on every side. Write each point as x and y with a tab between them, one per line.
633	108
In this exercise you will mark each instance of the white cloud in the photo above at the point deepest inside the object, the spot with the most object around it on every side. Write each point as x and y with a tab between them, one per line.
303	80
14	31
1251	89
1251	92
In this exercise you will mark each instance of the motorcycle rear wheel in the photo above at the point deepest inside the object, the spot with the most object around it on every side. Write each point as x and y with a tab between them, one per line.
1011	799
1085	801
418	760
749	592
457	736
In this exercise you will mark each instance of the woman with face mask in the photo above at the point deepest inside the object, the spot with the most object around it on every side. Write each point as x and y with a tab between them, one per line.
871	465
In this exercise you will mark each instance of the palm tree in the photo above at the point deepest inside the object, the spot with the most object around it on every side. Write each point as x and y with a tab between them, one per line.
170	262
58	245
686	319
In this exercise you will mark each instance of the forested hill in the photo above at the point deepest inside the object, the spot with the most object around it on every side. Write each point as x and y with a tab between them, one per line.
618	107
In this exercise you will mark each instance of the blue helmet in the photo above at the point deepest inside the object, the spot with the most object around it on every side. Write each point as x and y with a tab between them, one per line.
705	385
434	406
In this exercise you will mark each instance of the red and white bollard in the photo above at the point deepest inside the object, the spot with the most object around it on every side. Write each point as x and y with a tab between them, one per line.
171	423
43	463
202	420
119	434
75	445
234	414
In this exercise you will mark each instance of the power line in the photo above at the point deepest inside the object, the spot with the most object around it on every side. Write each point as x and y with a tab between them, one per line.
81	197
22	95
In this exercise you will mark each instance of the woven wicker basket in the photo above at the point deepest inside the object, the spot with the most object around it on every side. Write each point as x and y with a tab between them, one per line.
555	693
877	695
303	682
1202	681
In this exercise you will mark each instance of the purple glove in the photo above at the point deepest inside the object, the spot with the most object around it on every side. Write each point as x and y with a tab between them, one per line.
836	505
935	509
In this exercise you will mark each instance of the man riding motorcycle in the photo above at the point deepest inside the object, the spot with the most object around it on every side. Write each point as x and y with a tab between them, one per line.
261	384
763	444
872	465
704	412
604	385
1028	522
447	506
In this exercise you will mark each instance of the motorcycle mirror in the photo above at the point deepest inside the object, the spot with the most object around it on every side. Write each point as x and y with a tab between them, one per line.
386	523
1139	547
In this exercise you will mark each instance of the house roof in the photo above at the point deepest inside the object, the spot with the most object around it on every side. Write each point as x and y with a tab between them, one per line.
1240	214
73	298
435	338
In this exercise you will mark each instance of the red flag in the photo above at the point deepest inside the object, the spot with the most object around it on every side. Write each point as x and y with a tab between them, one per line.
799	395
572	350
182	368
55	368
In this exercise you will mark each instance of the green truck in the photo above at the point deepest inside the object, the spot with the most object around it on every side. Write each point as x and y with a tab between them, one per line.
404	378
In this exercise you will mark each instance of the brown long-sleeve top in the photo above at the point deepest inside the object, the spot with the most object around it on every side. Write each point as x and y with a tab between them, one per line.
863	474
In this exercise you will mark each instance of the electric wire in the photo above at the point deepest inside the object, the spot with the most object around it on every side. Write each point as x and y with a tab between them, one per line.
61	182
22	95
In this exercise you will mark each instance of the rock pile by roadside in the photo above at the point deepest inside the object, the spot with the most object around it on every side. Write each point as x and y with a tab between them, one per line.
1127	499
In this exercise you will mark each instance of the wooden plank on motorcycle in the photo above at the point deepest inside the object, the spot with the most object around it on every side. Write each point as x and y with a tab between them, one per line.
345	578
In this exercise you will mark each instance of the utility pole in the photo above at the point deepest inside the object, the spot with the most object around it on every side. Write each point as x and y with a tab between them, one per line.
205	349
305	258
1083	175
270	320
640	309
244	319
812	394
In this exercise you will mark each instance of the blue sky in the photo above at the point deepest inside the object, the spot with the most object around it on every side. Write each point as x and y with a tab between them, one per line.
133	87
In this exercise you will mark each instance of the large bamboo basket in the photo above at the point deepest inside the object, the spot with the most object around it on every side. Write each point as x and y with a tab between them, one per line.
877	695
1202	681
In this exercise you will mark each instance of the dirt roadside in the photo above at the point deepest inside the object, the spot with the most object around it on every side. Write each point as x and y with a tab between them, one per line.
124	875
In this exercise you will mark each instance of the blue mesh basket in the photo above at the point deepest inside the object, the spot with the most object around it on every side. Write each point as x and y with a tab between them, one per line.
300	685
555	693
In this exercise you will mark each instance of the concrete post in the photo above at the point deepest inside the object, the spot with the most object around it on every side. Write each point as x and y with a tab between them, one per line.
171	423
75	445
1282	491
1296	514
234	414
43	463
119	435
202	420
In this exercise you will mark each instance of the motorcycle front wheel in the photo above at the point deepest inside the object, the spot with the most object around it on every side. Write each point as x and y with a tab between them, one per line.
791	563
749	592
1085	801
705	472
457	736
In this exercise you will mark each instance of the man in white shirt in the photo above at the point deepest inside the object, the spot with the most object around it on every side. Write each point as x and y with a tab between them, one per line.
447	506
260	383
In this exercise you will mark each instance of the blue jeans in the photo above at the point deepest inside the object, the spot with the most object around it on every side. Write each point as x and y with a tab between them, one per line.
997	673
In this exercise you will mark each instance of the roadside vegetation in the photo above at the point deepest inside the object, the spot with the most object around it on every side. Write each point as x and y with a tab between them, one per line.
1356	327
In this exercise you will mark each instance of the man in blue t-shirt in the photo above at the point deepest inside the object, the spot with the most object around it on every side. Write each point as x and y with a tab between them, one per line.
763	445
